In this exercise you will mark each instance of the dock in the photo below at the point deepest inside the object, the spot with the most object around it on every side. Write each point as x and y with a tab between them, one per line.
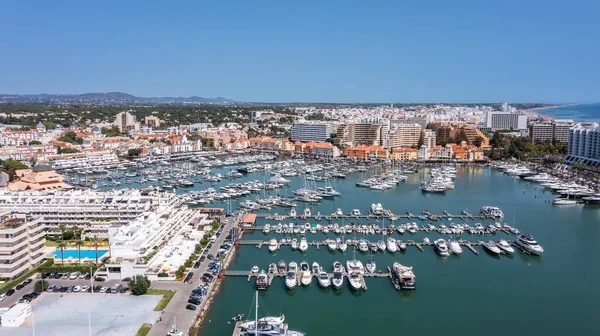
237	330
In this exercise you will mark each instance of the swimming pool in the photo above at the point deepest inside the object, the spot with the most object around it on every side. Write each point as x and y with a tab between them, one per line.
90	254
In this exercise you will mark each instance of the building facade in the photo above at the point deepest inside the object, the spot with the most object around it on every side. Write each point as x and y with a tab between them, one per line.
349	135
310	132
584	144
22	239
551	131
429	138
126	121
404	135
496	120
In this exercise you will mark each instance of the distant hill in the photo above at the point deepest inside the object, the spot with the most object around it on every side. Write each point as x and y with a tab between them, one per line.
108	98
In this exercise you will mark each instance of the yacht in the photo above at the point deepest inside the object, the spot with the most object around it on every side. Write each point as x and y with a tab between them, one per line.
355	213
441	247
376	209
293	213
331	244
255	269
505	246
363	246
265	327
281	267
381	245
324	279
338	279
304	266
527	243
294	244
402	245
371	266
454	247
267	228
339	212
290	280
355	266
491	211
392	246
307	212
272	320
564	201
491	247
303	245
342	246
406	277
261	280
355	282
273	245
306	278
316	268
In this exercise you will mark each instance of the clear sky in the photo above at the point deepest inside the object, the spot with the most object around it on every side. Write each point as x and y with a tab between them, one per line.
312	51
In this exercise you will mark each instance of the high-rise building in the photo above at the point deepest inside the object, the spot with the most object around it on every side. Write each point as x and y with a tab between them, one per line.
310	131
126	121
350	135
551	131
404	135
429	138
584	144
411	121
506	121
152	121
22	245
505	107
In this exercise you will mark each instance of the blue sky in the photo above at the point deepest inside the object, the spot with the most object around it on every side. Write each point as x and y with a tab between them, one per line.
314	51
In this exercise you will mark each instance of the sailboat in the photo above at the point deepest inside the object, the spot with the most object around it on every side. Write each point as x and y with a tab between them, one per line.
272	326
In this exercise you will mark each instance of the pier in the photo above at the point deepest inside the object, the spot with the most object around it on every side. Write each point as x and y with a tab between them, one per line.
391	217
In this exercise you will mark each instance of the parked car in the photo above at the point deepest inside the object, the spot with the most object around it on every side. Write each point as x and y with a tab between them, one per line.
202	258
10	292
103	289
65	276
194	301
76	288
190	307
99	279
19	286
69	289
27	282
73	275
197	264
2	297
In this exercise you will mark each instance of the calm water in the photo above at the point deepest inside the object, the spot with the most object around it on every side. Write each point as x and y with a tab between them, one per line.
586	112
467	295
91	254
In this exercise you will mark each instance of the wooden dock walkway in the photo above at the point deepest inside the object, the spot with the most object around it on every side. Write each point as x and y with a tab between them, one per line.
409	215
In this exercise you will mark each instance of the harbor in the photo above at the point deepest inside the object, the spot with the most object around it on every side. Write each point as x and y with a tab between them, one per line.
474	275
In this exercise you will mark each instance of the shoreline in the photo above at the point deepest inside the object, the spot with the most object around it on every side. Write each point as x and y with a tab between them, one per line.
535	111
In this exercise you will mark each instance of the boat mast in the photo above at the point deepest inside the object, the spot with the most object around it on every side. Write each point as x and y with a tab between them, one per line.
256	316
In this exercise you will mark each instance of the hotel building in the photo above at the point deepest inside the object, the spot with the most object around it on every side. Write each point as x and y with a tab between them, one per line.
310	132
584	144
22	240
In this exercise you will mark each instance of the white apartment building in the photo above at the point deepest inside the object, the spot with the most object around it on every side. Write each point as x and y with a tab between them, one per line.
584	144
496	120
22	239
155	242
551	131
429	138
354	134
306	132
404	135
126	121
92	211
83	160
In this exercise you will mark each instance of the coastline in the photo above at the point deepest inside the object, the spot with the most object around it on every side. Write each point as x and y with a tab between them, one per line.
535	111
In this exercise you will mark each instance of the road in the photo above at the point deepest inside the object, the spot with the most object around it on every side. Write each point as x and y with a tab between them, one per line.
175	310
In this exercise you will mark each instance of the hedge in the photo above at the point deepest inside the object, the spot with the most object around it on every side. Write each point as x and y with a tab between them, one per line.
67	268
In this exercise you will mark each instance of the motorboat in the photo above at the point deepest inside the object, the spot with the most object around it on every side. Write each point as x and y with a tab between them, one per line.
355	266
338	276
272	327
294	244
306	212
402	245
316	268
491	247
505	246
392	246
306	278
355	213
376	209
343	246
491	211
564	201
261	280
442	247
332	245
267	228
527	243
175	332
273	245
324	280
293	213
454	247
373	247
363	246
406	277
304	266
303	245
339	212
371	266
426	240
281	267
290	280
355	281
255	269
381	245
272	269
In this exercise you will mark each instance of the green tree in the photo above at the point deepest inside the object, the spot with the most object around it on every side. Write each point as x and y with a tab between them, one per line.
62	228
49	125
71	137
110	132
478	141
61	246
35	143
79	244
41	285
139	284
96	242
60	150
134	152
180	272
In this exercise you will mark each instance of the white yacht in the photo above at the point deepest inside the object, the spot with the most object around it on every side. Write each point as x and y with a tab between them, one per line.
342	246
316	268
454	247
273	245
294	244
406	277
331	244
491	247
272	320
402	245
290	278
355	266
529	244
355	212
324	279
339	212
377	209
381	245
363	246
392	246
505	246
564	201
371	266
293	212
303	245
255	269
307	212
442	247
338	276
355	282
306	278
491	212
267	228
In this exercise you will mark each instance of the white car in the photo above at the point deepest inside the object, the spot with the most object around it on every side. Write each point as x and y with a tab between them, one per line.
84	288
2	297
82	276
74	275
76	288
103	289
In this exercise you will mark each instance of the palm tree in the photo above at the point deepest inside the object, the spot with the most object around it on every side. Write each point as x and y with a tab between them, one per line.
79	244
62	229
96	241
62	246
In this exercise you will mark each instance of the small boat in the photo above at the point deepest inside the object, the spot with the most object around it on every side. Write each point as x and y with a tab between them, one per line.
363	246
273	245
355	282
505	246
331	244
381	245
255	269
343	246
316	268
491	247
307	212
272	268
281	268
392	246
293	213
441	247
304	266
371	266
338	275
426	240
324	280
261	280
294	244
373	247
454	247
303	245
267	228
402	245
306	278
339	212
